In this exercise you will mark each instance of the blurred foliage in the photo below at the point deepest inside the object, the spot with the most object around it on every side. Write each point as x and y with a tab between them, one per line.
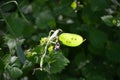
24	23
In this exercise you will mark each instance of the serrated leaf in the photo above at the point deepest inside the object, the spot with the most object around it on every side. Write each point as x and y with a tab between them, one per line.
27	66
57	62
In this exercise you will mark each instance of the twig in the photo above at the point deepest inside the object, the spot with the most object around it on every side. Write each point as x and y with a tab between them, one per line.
52	37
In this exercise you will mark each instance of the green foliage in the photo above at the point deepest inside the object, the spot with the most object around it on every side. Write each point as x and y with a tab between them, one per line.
15	72
112	52
97	40
108	20
13	23
29	50
57	62
15	45
4	61
45	19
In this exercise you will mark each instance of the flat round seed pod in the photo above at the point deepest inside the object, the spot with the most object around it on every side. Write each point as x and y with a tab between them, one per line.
70	39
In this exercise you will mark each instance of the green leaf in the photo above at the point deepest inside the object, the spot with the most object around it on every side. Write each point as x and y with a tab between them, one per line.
20	53
11	44
4	61
1	66
57	62
15	45
108	20
45	19
13	59
15	62
97	40
64	8
98	4
70	39
30	29
27	66
80	59
15	72
89	16
1	61
17	25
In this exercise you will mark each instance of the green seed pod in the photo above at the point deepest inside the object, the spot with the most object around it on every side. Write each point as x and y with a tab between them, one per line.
70	39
